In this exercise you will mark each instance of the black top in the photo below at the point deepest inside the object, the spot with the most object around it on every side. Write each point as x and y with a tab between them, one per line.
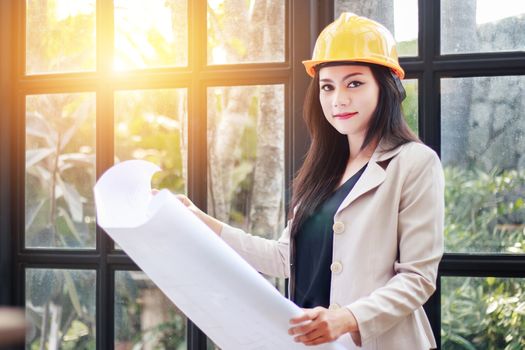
313	247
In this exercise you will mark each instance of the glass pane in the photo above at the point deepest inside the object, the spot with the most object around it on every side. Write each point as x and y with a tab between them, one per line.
482	26
152	125
399	16
482	313
246	160
245	31
60	306
60	171
52	31
246	157
150	34
144	317
483	153
410	104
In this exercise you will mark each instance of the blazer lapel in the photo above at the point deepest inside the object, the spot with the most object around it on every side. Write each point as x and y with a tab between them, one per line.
373	176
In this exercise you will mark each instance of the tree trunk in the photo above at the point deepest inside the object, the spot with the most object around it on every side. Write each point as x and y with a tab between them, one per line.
455	113
179	20
154	313
227	131
54	328
268	184
378	10
183	118
225	139
266	218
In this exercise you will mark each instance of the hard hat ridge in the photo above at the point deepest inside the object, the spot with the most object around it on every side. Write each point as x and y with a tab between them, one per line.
352	38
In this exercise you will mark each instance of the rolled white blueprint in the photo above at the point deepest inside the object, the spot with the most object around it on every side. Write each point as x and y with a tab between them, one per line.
205	278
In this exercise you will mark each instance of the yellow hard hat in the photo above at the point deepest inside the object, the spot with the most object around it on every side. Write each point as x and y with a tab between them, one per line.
358	39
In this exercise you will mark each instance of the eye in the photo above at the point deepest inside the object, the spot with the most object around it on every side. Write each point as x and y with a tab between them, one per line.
354	84
327	87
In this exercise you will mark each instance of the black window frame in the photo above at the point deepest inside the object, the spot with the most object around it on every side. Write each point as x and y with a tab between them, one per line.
196	78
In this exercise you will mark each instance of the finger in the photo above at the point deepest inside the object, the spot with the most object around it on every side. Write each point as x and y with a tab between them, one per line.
309	314
320	340
299	330
185	200
310	336
154	191
305	328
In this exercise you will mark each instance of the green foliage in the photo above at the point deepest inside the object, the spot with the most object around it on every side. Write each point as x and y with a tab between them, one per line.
482	313
129	307
60	170
53	44
410	104
148	127
407	48
484	213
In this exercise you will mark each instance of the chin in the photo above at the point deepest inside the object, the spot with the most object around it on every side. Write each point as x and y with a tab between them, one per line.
344	131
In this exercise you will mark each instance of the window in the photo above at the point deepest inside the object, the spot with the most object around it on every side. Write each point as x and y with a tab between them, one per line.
174	82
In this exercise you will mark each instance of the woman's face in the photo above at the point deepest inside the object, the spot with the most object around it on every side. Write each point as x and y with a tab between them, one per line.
349	95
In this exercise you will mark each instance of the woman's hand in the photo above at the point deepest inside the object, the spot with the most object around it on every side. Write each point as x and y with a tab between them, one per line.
189	204
325	326
214	224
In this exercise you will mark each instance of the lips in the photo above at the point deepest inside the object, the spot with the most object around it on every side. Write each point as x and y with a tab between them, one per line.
345	115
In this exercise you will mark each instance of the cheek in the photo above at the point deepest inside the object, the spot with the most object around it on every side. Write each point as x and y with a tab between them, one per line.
325	106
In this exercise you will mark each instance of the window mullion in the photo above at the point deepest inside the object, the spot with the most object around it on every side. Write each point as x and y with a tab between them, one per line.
7	36
104	159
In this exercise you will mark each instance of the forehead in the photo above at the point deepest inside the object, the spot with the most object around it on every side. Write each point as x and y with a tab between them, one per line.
341	71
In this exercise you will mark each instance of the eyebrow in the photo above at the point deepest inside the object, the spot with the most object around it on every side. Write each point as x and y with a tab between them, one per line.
345	77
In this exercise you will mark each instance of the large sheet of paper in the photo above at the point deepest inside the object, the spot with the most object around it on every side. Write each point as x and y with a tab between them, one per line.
214	287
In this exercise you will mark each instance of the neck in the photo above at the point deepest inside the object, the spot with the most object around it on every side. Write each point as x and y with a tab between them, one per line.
355	142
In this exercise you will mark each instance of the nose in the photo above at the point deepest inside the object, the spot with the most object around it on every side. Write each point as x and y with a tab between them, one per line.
341	98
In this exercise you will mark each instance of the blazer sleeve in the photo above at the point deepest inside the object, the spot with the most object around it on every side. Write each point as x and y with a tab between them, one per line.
268	256
420	244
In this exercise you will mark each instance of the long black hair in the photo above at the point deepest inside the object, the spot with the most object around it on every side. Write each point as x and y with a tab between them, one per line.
328	154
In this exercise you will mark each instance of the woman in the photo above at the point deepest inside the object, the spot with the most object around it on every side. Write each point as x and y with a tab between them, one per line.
364	243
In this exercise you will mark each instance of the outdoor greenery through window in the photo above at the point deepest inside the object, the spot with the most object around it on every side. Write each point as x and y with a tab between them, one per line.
144	317
64	127
53	28
246	157
60	170
245	31
483	153
152	125
482	147
410	104
482	313
150	36
60	306
483	128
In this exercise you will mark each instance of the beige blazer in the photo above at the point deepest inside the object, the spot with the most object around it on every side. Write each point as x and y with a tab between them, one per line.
388	241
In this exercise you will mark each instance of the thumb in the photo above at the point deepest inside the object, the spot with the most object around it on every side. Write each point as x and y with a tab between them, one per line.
185	200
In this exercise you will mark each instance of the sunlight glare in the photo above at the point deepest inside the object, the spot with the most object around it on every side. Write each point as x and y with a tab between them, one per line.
405	20
136	24
490	11
69	8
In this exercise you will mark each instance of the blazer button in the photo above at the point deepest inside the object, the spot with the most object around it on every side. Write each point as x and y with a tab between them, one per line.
338	227
334	306
336	267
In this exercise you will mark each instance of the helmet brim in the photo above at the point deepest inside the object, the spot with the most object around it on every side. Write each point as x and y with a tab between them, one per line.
310	65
